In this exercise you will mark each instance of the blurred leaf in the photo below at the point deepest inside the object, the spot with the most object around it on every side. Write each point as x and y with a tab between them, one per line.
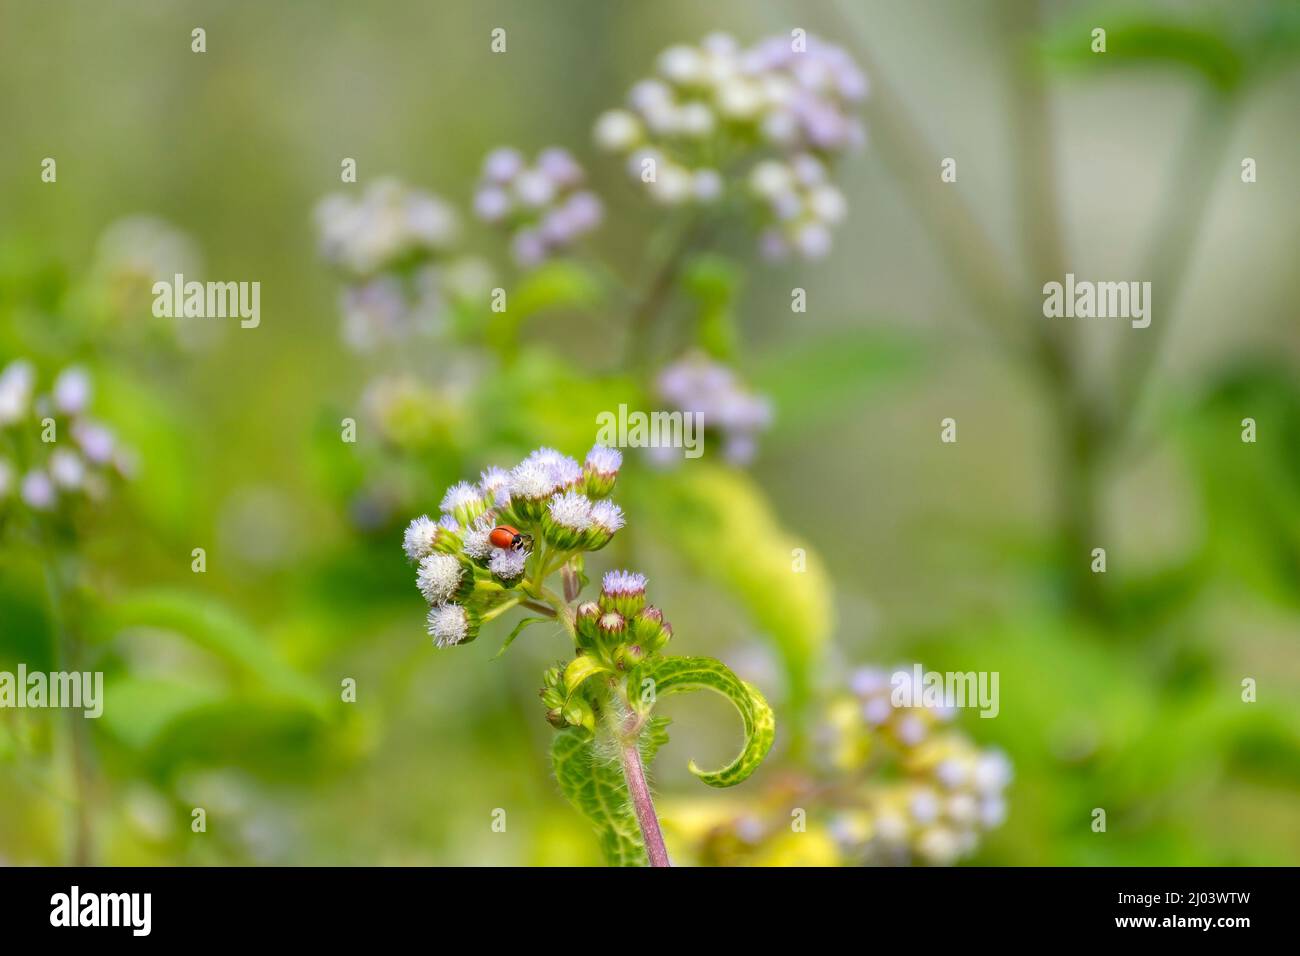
590	776
720	521
270	736
1250	488
675	675
560	284
210	625
713	282
545	400
813	382
1205	48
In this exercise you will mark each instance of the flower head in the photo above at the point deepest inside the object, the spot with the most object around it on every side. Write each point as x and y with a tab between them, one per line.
567	516
477	544
543	206
495	484
796	99
624	592
451	624
464	501
507	563
419	537
601	470
386	225
440	577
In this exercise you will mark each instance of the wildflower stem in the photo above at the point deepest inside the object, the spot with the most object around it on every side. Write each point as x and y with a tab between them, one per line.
642	802
538	607
57	584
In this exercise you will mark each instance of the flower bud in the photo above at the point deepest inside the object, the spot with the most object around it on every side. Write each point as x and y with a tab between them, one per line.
612	627
628	656
578	713
624	592
555	717
665	635
600	470
585	622
464	502
646	627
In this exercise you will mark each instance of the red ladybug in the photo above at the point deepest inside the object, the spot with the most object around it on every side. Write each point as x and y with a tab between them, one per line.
505	536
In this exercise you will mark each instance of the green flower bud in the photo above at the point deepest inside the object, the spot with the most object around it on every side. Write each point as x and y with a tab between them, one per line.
628	656
646	626
612	627
555	717
579	713
665	635
585	622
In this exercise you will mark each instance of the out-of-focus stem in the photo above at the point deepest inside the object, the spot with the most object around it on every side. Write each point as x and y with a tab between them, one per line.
655	295
68	660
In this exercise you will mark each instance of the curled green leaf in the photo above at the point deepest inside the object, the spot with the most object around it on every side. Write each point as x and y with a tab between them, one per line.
672	675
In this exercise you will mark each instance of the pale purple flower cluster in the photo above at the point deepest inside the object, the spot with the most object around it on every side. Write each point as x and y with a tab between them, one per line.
701	386
393	245
67	456
544	206
788	100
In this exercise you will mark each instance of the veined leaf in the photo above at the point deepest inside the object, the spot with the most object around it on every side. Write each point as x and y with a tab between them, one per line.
590	777
673	675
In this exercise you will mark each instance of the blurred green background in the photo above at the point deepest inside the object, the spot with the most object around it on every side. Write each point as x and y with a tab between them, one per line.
1120	691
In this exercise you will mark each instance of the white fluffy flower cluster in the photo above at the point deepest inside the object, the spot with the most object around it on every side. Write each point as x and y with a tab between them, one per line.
948	791
789	101
386	225
393	246
726	407
76	463
481	543
544	206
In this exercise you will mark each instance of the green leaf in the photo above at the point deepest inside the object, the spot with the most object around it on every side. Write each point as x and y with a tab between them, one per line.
674	675
723	525
1206	48
558	285
587	769
213	627
579	670
519	629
